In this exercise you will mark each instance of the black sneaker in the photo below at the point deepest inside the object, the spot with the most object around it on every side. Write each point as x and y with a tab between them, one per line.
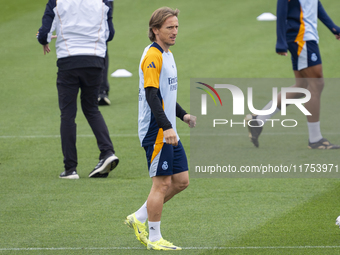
105	165
103	98
69	175
323	144
99	175
254	129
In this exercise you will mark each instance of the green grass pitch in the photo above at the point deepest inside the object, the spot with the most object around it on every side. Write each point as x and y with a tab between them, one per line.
42	214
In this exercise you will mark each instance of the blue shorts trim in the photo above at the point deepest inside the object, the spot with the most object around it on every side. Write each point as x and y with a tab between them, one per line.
304	54
169	160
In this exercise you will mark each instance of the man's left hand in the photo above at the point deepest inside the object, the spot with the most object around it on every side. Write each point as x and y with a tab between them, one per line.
190	120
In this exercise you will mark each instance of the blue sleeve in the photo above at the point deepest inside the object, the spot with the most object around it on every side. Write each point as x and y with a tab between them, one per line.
109	19
281	25
47	21
325	19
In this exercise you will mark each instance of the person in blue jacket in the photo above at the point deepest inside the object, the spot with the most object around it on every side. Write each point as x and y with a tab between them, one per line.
103	97
82	30
297	33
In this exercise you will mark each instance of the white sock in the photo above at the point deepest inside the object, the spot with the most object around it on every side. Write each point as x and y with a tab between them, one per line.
314	131
154	231
142	213
265	117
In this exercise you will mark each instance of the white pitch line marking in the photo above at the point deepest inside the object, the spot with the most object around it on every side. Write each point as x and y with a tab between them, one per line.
184	248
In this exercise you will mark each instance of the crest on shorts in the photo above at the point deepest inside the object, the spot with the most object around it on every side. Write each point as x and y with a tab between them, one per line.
165	165
314	57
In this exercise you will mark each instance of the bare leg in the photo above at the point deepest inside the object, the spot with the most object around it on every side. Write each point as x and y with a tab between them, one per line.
179	182
310	78
159	189
315	80
299	83
162	190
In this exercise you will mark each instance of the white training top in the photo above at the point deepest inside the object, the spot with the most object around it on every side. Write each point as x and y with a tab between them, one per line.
157	69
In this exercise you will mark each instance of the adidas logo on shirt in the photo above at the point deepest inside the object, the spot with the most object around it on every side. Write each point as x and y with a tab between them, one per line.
152	65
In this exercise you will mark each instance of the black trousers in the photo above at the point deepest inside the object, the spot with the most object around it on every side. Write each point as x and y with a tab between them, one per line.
104	85
68	84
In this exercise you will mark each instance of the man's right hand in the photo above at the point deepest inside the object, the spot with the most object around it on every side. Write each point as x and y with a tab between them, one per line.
46	49
170	137
282	53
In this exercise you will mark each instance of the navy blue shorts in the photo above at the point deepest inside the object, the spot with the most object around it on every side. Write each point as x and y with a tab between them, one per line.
304	54
165	159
